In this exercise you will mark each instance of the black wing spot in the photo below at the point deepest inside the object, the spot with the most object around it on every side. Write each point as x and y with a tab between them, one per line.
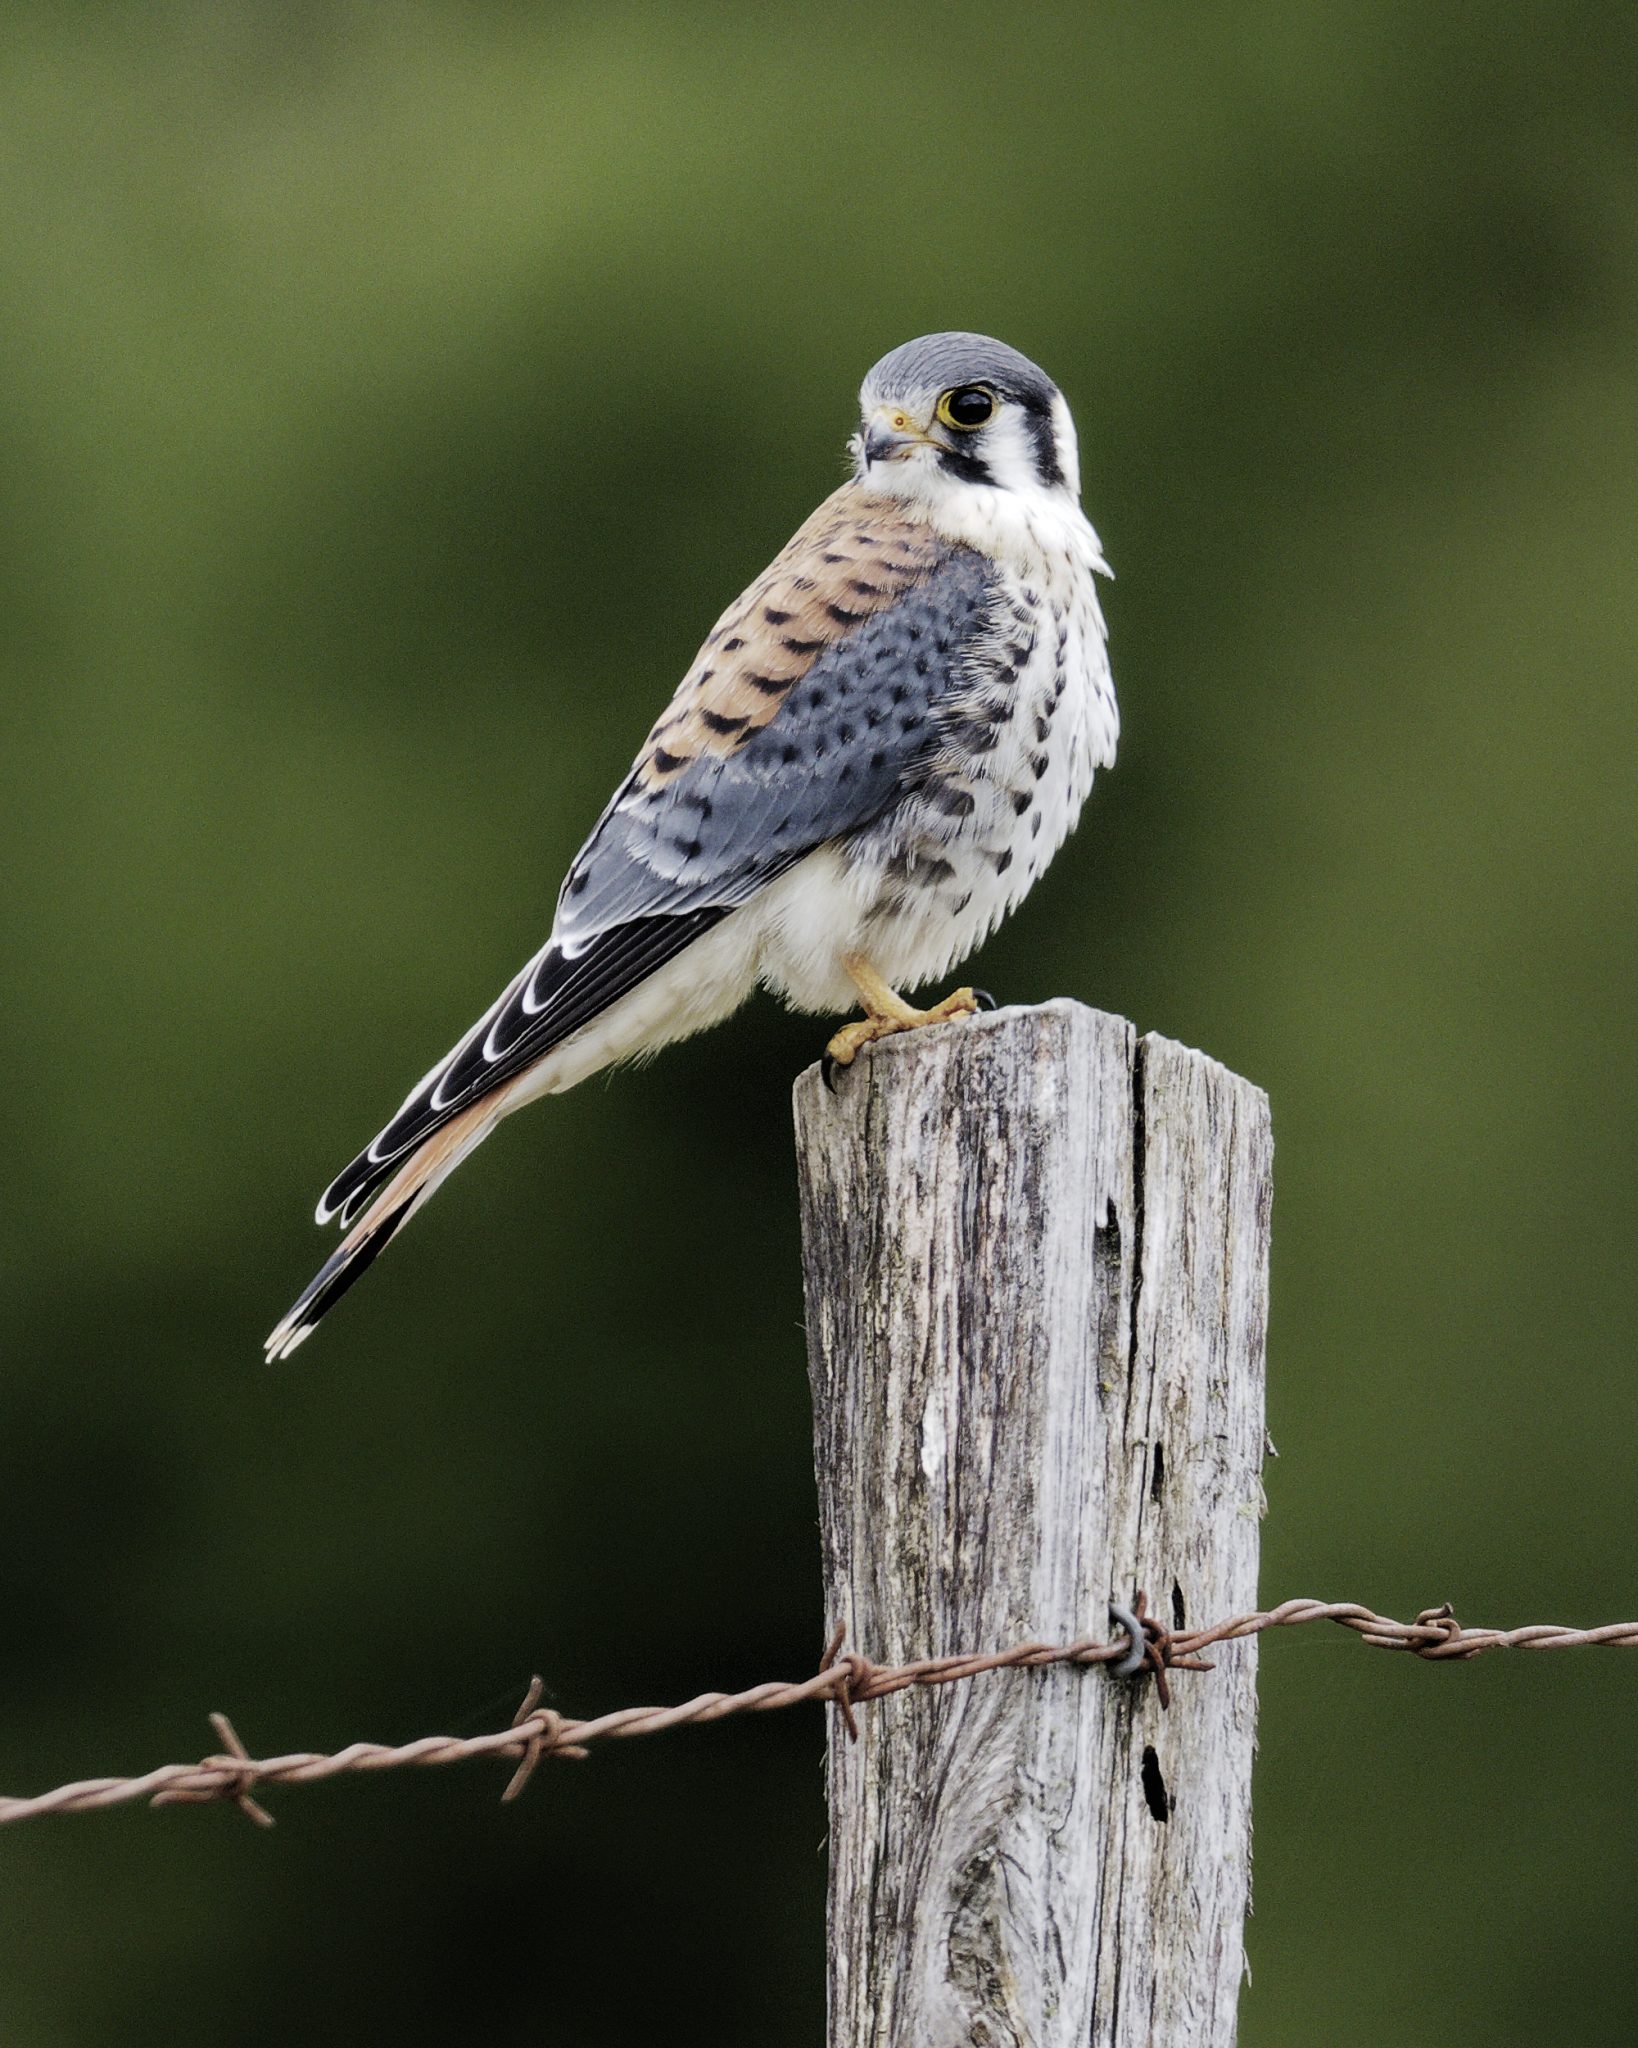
972	736
714	721
775	617
667	763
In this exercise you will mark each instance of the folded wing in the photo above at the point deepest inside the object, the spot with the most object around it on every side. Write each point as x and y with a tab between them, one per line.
812	707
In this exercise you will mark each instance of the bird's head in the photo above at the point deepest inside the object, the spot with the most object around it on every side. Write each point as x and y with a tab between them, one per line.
954	410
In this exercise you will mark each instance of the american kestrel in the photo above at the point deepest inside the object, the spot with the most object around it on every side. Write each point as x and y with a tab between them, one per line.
876	752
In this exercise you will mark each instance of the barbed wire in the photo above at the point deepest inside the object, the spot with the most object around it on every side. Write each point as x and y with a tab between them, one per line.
1144	1647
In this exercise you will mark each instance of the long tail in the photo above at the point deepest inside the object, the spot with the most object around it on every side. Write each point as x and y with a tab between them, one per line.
500	1062
382	1220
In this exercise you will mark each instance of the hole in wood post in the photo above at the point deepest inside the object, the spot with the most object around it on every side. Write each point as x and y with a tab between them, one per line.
1159	1479
1155	1794
1178	1616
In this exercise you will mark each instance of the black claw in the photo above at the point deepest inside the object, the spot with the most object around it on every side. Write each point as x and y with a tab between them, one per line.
984	1000
827	1070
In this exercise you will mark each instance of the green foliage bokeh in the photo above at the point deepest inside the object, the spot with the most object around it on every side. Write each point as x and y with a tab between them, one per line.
389	399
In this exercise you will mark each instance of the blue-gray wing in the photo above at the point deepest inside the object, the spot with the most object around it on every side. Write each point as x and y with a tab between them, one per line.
711	826
817	702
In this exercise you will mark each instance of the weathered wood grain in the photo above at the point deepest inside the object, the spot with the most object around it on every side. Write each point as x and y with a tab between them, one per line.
1036	1265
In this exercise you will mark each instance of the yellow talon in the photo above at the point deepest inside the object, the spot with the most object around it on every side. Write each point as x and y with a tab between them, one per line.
886	1013
843	1048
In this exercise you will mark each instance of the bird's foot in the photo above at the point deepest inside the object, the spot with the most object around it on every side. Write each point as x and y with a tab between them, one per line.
844	1048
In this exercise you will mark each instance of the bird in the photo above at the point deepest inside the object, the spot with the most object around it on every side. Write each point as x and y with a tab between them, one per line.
876	752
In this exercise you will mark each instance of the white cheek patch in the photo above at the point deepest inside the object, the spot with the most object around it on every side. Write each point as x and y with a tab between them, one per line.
1008	450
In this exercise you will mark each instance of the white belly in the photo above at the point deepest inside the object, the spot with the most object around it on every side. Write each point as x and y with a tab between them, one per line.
920	890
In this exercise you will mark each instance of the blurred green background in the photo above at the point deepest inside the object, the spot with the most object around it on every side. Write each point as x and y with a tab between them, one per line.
389	399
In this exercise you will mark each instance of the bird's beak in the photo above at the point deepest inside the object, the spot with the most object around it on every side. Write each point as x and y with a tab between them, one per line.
891	435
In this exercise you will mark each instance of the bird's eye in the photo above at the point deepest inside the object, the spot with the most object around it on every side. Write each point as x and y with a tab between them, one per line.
966	407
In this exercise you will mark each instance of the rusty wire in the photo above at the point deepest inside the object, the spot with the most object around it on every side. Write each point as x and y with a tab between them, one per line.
845	1678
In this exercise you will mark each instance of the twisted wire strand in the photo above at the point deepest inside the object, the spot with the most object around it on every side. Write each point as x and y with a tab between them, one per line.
845	1678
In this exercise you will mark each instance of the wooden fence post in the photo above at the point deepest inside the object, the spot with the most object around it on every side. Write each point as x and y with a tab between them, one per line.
1036	1255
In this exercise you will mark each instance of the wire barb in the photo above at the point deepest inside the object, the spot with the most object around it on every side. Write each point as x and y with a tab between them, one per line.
844	1678
232	1777
841	1690
1154	1648
535	1740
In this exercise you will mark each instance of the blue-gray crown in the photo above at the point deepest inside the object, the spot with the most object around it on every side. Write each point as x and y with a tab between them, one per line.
933	362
